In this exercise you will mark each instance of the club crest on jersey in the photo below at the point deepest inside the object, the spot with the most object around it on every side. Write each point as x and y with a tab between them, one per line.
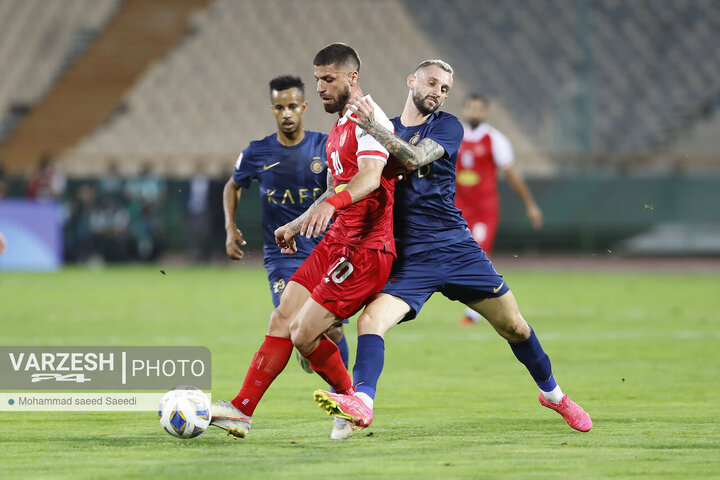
414	139
342	138
316	166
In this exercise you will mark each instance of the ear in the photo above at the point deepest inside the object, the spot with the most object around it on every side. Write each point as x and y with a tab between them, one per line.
304	106
354	78
411	81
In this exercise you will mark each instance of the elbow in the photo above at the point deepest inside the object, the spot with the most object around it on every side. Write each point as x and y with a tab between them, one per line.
230	186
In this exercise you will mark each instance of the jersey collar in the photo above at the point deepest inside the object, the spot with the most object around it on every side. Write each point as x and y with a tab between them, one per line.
477	133
348	113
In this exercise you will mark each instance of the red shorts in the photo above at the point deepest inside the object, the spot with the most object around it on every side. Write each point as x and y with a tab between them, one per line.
483	229
343	279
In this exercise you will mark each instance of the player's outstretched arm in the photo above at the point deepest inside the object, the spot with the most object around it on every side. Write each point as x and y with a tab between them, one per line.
233	236
518	184
365	181
413	156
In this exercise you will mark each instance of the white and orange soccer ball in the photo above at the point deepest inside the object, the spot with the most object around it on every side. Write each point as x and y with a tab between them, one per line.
185	412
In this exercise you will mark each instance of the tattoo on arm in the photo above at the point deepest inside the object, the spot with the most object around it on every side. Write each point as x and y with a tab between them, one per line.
297	223
425	152
330	181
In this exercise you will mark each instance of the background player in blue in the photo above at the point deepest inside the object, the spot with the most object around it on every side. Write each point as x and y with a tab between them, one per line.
291	168
436	252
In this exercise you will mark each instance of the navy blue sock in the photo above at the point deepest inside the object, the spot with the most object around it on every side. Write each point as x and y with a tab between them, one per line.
369	362
344	350
532	355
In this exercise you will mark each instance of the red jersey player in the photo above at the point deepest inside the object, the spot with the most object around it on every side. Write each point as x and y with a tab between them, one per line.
351	263
485	150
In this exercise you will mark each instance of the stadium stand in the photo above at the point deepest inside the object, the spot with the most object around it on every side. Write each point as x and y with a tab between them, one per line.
40	40
208	96
646	75
654	64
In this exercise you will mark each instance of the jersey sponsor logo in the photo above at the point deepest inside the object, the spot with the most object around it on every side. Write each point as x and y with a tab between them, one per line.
342	138
302	195
268	167
414	139
421	172
316	166
468	178
424	171
497	289
340	187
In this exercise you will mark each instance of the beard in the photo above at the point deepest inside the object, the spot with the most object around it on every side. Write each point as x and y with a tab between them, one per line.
291	132
419	102
338	104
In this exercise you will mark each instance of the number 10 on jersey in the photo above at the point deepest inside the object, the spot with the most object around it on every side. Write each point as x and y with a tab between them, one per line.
341	270
337	166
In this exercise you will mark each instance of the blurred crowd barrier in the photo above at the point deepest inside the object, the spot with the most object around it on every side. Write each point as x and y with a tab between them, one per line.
591	205
113	217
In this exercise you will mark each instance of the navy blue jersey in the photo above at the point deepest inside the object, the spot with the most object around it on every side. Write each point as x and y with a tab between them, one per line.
425	213
291	179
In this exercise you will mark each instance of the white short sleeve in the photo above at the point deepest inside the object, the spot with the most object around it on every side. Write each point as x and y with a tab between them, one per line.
368	146
502	150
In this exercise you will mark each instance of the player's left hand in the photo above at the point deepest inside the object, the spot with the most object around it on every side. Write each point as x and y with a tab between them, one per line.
317	221
535	216
363	110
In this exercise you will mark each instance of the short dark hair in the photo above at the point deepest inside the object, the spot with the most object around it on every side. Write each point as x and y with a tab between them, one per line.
338	54
438	63
477	96
284	82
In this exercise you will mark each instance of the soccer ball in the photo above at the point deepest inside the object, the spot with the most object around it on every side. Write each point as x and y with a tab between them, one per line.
184	412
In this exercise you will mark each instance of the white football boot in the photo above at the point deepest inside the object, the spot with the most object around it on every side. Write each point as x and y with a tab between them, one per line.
230	419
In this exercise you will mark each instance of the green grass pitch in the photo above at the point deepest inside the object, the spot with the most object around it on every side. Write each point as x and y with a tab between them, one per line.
641	353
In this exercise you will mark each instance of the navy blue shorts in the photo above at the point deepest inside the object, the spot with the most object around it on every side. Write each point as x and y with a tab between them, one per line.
460	271
279	273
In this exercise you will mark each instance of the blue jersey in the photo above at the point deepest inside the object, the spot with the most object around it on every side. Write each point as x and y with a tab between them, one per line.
425	213
291	179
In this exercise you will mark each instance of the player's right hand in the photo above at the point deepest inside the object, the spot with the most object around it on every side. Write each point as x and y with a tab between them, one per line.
233	240
317	221
285	238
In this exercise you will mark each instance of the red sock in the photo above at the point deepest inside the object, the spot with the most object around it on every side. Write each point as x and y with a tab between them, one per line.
267	364
327	362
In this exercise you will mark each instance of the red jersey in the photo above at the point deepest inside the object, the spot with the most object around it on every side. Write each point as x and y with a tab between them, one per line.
482	151
367	223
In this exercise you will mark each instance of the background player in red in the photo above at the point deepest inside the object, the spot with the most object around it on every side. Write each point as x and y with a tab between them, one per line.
349	265
485	150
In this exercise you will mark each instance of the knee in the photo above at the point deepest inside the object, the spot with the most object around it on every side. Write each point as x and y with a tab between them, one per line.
300	338
279	325
514	328
336	333
369	324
